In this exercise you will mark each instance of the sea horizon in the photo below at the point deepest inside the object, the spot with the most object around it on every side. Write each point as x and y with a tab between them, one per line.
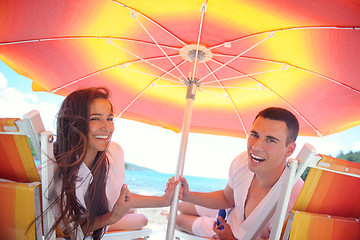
154	183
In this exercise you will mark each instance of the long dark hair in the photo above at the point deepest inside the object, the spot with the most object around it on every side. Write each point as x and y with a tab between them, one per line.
69	150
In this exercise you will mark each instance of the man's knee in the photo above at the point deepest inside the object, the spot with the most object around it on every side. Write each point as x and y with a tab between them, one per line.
181	206
187	208
184	222
179	219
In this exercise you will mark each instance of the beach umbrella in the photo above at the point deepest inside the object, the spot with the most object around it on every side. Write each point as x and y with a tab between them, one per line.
199	66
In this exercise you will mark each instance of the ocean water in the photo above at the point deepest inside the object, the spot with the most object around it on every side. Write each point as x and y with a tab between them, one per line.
154	183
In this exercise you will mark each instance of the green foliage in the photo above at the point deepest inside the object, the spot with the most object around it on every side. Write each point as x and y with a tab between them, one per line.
134	167
350	156
127	166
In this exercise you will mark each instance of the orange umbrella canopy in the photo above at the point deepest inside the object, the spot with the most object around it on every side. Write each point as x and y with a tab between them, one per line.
246	55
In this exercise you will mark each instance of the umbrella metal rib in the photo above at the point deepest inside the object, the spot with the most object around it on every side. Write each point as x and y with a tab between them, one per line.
330	79
273	61
287	29
152	21
203	10
157	77
152	38
142	91
241	76
82	78
123	65
286	102
148	62
231	60
231	100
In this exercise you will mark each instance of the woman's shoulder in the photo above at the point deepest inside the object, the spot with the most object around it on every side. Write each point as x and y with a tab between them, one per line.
114	147
115	151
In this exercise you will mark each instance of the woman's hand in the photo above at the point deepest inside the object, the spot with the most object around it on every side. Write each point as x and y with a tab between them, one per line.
170	189
123	204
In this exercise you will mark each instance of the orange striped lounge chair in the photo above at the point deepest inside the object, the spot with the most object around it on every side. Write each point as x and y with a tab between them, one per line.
20	187
328	204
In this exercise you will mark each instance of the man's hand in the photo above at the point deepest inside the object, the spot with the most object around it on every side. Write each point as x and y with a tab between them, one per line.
225	233
185	193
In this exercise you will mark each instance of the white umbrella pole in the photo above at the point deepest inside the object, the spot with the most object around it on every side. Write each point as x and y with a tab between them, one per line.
190	96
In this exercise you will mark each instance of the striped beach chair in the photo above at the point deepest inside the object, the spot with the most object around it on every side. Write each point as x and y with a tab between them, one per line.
328	204
20	205
20	188
304	225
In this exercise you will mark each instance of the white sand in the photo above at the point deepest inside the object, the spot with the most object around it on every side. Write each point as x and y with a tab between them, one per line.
157	222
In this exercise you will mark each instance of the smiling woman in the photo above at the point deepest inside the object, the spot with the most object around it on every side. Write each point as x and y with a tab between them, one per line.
101	127
80	154
91	194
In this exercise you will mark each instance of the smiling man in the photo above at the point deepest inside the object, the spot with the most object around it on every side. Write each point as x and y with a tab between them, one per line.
252	177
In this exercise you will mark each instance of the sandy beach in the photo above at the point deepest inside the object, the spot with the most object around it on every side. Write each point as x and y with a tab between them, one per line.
157	222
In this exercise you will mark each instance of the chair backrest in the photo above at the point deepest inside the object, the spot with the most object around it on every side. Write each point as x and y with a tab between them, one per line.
304	225
20	204
16	159
22	142
332	187
328	203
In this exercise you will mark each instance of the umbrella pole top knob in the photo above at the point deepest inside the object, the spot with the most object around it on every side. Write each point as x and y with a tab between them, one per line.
200	54
195	51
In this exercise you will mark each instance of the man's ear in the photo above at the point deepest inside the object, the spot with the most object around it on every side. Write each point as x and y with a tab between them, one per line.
290	149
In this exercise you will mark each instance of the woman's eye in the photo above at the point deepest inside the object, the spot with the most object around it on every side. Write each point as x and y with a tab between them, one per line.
111	119
94	119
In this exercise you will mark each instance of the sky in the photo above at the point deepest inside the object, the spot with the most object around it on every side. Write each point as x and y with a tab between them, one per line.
155	147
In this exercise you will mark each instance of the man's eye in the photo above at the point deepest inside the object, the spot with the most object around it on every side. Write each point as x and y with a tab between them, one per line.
111	119
254	135
94	119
